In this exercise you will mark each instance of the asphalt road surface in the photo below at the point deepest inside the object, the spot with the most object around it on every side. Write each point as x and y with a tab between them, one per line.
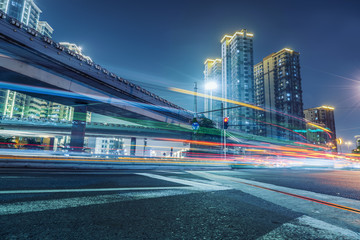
177	204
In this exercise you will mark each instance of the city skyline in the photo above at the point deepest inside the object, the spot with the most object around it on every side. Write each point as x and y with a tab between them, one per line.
179	119
325	64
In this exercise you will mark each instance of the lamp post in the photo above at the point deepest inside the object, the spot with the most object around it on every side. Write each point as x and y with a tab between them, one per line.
348	144
195	99
210	86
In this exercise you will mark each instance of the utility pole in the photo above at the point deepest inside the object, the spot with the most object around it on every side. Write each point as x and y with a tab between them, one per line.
222	124
195	98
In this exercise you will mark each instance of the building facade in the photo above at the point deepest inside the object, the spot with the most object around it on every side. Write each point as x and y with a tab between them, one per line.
212	83
45	29
12	104
18	105
323	116
26	11
278	89
75	48
99	145
237	79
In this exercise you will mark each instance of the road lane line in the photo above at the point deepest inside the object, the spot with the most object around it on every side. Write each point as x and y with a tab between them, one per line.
90	190
339	217
55	204
210	186
13	177
306	227
287	192
305	198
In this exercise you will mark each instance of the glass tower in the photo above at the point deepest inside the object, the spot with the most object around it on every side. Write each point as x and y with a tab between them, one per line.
278	89
212	84
237	79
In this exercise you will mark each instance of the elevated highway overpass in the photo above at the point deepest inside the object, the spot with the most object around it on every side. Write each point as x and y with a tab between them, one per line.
38	66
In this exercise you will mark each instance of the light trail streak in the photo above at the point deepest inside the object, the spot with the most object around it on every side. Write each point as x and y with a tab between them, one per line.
241	104
216	98
126	160
312	145
317	126
275	150
275	125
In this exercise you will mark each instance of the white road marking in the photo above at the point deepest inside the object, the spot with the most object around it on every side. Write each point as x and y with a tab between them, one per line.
235	181
209	186
306	227
89	190
146	192
43	205
12	177
315	210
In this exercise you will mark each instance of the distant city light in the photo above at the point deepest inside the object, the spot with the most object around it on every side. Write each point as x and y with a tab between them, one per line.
328	107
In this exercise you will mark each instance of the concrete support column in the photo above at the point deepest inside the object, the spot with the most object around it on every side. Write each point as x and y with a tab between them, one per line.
145	145
52	143
78	128
133	146
56	142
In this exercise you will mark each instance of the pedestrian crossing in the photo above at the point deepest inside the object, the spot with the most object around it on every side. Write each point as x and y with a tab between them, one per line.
317	221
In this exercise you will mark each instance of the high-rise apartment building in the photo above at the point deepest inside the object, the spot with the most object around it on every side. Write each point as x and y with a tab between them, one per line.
237	79
12	104
323	116
28	13
25	11
35	108
212	83
45	29
18	105
75	48
278	89
58	112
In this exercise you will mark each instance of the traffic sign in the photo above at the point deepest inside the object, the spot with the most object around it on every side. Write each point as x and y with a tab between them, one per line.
195	126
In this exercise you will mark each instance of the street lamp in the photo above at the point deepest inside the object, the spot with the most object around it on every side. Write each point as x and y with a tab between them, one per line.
348	144
210	86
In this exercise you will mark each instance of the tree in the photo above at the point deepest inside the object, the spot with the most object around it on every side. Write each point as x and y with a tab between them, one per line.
204	122
6	142
356	150
207	123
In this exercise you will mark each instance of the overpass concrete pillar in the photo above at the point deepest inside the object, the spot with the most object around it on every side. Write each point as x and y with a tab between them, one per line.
52	144
133	146
145	145
78	128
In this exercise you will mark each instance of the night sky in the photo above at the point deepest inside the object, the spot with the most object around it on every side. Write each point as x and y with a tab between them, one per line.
161	44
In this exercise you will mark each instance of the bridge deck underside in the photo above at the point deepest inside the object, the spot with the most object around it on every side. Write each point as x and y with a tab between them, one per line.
70	78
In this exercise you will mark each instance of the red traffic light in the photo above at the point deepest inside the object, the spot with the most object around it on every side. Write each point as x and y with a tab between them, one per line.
226	123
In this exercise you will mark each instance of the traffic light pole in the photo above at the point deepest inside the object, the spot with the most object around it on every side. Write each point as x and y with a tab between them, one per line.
223	138
225	144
